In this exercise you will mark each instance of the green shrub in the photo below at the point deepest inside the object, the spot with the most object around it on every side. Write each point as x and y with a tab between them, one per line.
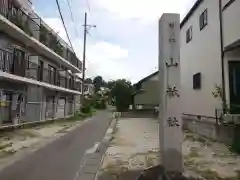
86	106
100	104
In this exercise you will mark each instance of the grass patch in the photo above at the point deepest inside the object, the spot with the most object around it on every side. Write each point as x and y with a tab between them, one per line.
194	154
80	116
198	138
27	133
5	153
3	146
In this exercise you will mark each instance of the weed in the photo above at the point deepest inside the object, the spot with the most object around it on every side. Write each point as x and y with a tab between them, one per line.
3	146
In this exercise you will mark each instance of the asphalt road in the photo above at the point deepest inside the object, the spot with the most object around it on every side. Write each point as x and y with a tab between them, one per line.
60	160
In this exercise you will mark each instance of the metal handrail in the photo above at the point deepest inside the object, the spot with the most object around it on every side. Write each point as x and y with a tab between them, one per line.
17	16
25	22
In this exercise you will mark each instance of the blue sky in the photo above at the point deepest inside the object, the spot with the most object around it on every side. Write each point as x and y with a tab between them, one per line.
124	44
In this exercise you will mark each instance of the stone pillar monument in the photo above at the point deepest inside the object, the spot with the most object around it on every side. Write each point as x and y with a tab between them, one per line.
169	77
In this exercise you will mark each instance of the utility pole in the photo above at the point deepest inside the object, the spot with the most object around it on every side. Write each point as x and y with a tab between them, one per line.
86	26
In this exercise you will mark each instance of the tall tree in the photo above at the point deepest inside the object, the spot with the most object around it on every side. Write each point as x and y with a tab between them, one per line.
122	93
89	81
98	82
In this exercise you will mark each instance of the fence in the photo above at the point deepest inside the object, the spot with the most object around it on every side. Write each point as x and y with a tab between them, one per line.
15	109
10	11
34	26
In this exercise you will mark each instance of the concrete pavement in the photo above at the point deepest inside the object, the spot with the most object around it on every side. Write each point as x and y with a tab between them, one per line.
65	158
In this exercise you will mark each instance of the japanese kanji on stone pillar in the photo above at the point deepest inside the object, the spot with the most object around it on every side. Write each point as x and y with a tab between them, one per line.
169	80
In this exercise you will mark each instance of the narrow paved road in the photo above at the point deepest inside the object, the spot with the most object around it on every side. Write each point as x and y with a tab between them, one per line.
60	160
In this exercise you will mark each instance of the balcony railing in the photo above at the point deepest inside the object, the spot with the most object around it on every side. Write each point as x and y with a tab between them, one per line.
12	64
14	14
52	40
37	28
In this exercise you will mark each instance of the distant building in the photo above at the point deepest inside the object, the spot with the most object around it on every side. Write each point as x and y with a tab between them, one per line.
88	88
147	92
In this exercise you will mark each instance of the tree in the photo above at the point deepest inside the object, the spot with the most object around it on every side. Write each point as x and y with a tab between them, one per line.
88	81
98	82
110	84
122	93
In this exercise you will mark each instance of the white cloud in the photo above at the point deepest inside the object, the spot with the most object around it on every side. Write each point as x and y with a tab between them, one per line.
125	41
143	9
103	58
101	51
56	25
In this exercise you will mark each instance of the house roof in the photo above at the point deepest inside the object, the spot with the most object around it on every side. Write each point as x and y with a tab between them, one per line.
148	77
189	14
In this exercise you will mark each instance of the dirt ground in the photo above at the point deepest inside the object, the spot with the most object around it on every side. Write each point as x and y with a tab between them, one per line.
208	159
135	147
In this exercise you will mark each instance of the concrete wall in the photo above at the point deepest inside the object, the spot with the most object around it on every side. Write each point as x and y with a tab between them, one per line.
209	129
201	55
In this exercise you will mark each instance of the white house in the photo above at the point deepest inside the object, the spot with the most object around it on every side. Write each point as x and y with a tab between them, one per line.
210	57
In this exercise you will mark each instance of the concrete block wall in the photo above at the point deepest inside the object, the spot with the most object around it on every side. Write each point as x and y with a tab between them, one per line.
209	129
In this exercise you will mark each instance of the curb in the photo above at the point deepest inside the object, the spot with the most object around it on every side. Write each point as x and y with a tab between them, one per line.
106	141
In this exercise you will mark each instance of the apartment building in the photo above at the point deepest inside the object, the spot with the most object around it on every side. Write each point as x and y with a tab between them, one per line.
210	59
38	68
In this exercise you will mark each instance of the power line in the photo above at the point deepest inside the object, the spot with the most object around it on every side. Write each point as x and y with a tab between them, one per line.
65	28
70	9
72	17
88	5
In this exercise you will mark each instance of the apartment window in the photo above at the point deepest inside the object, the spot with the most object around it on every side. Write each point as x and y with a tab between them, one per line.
197	81
189	35
203	19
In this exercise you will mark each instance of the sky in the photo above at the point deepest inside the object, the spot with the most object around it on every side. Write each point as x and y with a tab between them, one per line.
125	42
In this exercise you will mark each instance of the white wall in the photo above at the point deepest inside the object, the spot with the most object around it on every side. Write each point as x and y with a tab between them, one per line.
231	23
201	54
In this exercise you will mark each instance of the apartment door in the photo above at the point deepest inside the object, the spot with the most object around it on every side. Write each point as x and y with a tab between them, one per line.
234	83
19	64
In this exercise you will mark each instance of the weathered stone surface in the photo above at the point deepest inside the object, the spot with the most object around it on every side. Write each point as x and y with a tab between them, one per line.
169	83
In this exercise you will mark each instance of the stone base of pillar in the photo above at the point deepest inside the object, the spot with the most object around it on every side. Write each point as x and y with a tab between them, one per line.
158	173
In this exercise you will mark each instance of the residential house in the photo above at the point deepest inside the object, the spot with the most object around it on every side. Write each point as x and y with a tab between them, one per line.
210	59
147	92
88	88
37	67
